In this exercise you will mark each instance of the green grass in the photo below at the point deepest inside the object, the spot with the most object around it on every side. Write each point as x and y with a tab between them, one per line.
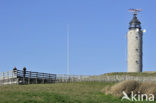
139	74
80	92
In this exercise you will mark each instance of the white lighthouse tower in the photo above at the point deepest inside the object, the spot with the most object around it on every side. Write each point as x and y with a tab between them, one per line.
134	37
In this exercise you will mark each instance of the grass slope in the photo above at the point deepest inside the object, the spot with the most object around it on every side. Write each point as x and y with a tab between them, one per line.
145	74
139	74
81	92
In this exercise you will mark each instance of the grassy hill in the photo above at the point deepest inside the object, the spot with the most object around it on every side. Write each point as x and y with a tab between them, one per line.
147	73
80	92
140	74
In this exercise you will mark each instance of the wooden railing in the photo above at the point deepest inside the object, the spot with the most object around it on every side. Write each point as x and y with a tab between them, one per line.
71	78
29	77
9	77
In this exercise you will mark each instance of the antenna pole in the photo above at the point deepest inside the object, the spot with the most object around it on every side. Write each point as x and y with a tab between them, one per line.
68	63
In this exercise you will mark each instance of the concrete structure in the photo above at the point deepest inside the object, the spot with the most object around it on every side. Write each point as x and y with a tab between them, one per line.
134	37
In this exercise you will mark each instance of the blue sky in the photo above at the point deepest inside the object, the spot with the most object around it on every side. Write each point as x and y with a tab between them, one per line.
33	34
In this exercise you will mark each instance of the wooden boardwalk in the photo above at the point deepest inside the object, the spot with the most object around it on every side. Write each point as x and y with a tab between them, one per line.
26	77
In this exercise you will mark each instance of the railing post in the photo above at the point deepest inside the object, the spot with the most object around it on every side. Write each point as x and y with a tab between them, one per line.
3	77
49	78
43	78
29	77
36	77
7	76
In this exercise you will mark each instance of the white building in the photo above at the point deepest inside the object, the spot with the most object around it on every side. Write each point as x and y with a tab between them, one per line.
134	37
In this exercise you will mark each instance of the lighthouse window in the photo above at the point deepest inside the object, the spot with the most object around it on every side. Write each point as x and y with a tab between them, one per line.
137	50
137	25
136	37
137	62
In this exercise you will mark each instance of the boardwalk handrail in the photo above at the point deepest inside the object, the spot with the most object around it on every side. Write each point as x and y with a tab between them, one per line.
7	75
39	75
26	77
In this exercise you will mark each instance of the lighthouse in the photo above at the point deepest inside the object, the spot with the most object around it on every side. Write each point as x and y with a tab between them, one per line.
135	44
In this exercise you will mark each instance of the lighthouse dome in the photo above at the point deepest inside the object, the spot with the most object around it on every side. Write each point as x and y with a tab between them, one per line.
135	23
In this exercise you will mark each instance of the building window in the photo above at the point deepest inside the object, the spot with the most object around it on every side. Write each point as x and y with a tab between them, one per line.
137	50
136	37
137	62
